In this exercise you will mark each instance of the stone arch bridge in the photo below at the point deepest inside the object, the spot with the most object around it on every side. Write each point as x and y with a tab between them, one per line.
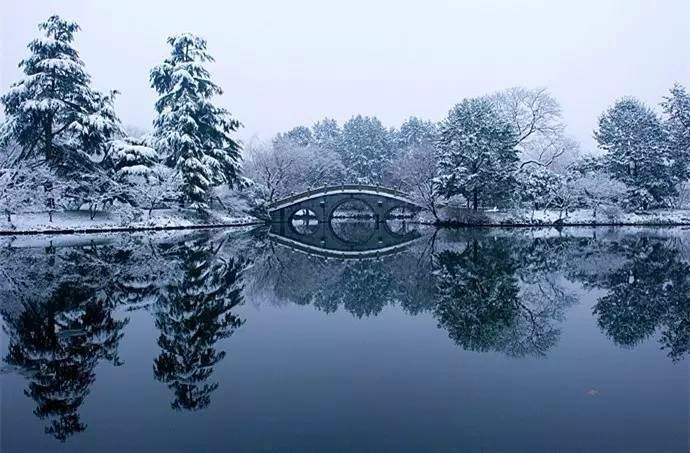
323	202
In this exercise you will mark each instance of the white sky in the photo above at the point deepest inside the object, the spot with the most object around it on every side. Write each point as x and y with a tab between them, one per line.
286	63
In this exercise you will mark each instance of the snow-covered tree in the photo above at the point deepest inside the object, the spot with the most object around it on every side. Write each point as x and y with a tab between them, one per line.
677	122
298	136
537	186
132	159
538	123
476	153
414	171
597	189
416	132
32	188
193	134
53	113
163	184
290	168
327	134
637	152
365	149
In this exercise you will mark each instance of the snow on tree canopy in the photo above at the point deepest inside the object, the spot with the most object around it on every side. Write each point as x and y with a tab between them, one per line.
637	151
476	152
132	158
677	124
191	133
365	149
53	113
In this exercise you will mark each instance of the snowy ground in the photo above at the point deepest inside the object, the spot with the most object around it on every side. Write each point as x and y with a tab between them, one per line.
81	220
180	218
576	217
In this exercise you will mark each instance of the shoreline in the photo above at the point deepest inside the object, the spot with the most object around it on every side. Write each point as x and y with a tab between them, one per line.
450	224
438	225
68	231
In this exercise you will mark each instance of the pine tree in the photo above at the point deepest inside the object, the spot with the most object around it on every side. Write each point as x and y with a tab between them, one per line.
52	113
416	132
131	158
477	155
327	134
637	152
193	134
365	149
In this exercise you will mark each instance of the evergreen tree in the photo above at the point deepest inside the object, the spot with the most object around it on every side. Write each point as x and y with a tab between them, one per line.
677	110
193	134
637	152
365	149
52	113
131	158
537	186
477	155
416	132
327	134
299	136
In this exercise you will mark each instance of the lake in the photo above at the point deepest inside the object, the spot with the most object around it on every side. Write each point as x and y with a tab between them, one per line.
469	340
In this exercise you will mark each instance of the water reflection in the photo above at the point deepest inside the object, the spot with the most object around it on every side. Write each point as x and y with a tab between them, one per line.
649	291
65	306
57	339
344	238
193	313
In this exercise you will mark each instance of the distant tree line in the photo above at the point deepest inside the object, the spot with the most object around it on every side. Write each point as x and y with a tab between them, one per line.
509	149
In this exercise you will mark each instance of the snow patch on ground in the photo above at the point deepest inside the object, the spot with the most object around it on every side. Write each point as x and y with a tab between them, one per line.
81	220
575	217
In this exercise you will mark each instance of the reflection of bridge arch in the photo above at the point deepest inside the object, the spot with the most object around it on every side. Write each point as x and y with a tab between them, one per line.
323	202
324	242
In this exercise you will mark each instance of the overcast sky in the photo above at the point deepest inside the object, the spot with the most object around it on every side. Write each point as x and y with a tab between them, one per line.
286	63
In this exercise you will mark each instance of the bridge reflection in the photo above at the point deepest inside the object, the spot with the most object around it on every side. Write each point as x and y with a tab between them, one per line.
344	239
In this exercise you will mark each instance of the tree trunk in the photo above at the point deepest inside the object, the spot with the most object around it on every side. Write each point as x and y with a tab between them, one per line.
433	211
475	200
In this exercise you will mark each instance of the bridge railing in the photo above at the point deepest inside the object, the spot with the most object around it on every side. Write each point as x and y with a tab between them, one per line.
337	189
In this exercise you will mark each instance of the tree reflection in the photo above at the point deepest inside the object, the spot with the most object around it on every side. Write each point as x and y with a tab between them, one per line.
478	295
194	313
58	343
649	291
505	292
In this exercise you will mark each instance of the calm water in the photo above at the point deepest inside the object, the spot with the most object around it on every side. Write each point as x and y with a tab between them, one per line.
483	340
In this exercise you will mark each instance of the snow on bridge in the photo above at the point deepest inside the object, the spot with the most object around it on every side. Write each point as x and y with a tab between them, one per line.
324	201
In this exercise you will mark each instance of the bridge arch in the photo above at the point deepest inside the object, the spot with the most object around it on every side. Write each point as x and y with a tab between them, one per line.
324	201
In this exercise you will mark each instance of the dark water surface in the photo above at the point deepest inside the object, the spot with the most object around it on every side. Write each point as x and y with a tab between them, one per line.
460	340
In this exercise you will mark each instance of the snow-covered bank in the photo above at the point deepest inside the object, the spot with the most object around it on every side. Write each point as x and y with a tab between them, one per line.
579	217
69	222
